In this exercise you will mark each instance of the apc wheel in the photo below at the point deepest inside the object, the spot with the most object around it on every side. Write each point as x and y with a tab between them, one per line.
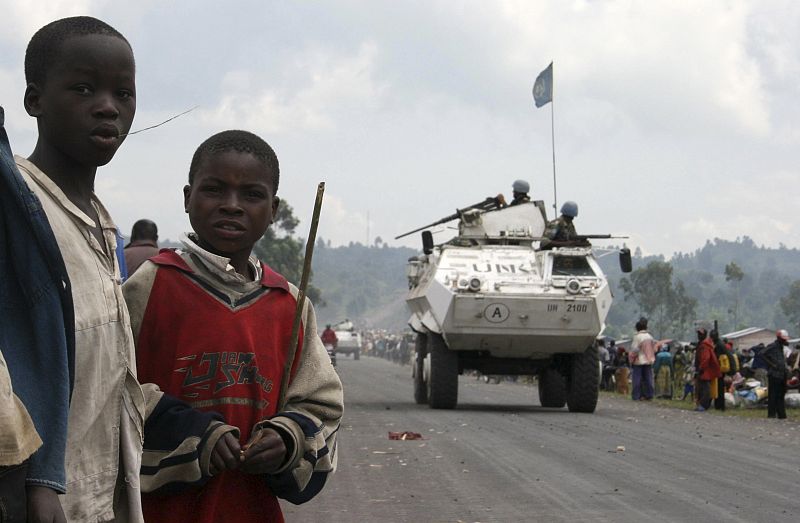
357	354
443	379
552	389
420	387
584	383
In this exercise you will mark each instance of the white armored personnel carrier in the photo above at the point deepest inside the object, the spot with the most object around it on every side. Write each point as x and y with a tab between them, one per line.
492	300
349	339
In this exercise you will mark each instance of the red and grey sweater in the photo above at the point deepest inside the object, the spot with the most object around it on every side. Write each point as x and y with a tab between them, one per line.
221	346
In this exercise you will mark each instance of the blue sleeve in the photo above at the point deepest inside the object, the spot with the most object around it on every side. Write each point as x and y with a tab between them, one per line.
37	324
120	252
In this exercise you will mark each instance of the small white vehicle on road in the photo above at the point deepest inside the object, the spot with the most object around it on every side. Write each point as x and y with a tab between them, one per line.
349	339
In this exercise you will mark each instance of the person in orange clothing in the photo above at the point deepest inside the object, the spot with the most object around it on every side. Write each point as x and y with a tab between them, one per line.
707	369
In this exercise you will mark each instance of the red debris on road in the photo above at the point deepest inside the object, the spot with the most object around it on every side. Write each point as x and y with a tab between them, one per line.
405	435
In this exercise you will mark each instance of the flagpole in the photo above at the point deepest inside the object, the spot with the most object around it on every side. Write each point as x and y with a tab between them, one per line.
553	143
542	95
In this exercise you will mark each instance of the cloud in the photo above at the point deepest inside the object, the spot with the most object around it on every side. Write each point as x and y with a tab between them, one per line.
338	224
770	230
22	19
674	121
668	64
777	192
700	227
311	93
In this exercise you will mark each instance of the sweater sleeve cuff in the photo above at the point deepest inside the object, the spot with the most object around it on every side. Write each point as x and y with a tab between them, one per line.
215	431
292	436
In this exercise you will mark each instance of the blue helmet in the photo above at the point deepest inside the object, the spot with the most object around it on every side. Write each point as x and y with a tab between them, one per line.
521	186
569	209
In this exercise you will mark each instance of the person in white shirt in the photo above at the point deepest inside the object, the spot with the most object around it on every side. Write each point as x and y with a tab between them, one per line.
643	355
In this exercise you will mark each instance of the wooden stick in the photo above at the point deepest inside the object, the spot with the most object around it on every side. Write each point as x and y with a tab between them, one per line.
301	295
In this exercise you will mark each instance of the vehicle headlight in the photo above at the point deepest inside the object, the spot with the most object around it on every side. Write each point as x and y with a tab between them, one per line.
573	286
475	284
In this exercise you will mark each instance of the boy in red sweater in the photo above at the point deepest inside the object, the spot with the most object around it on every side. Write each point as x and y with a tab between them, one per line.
212	326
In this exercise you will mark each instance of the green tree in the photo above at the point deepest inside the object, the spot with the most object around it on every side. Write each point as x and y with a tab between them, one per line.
734	275
790	304
666	305
284	253
683	309
649	287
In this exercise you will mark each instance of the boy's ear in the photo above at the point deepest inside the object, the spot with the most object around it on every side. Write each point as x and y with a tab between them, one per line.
275	204
187	191
32	100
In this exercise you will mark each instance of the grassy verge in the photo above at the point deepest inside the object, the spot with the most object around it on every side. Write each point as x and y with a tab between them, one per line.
688	404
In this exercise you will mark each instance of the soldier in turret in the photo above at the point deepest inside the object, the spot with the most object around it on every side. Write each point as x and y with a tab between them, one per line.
561	231
521	188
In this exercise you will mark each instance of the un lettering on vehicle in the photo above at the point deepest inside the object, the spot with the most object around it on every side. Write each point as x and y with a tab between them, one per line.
502	268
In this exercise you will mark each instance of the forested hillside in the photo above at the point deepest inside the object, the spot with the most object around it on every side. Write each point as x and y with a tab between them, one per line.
367	284
747	294
364	284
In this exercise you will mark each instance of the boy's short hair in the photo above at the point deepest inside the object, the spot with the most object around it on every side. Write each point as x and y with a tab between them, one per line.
242	142
45	45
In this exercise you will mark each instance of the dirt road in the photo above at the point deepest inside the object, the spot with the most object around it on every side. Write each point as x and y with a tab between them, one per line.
500	457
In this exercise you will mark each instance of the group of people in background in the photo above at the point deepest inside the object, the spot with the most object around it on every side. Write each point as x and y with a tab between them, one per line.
705	370
393	346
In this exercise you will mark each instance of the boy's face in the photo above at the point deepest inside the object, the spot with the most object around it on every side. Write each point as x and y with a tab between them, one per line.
88	99
230	203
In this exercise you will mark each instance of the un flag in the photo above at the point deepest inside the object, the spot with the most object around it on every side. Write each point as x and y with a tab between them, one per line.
543	87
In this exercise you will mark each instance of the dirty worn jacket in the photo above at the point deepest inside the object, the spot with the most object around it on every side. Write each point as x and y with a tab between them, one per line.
106	414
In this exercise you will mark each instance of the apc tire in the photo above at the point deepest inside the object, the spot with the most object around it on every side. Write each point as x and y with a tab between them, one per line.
552	389
443	379
357	354
584	382
420	387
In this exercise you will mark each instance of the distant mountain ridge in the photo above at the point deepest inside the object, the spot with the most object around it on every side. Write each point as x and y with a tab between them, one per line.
768	274
364	284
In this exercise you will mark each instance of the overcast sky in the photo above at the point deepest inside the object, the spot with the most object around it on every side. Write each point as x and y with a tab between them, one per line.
674	121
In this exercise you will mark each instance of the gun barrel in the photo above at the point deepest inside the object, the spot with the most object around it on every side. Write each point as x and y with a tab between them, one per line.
597	236
438	222
583	237
486	205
